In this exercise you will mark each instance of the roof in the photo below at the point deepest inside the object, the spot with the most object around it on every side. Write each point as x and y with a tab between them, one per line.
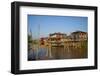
57	34
78	32
44	38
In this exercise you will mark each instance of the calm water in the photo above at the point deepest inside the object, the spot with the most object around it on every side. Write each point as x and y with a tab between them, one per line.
68	53
57	53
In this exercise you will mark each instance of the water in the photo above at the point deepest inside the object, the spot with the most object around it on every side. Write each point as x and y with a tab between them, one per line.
68	53
58	52
37	54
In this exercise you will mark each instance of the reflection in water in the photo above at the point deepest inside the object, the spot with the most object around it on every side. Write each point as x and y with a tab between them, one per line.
68	53
58	52
37	54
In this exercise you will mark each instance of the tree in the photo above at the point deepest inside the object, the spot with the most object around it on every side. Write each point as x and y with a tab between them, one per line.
30	41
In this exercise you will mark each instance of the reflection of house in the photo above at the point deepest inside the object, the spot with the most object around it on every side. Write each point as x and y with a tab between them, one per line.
79	35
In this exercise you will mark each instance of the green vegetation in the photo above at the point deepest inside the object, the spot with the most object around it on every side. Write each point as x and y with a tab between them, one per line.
35	41
30	41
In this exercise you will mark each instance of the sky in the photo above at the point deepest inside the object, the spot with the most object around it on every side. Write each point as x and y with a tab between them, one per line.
43	25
